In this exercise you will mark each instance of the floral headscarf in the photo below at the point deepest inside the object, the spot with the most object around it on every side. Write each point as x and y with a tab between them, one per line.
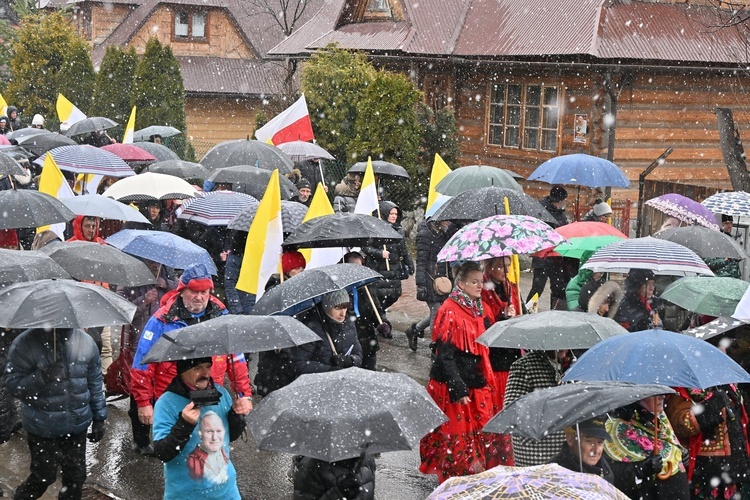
473	306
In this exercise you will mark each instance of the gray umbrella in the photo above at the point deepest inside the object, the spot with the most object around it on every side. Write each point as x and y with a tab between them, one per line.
96	205
229	334
539	413
179	168
342	230
85	260
706	243
62	304
9	166
88	125
550	331
252	180
18	266
380	168
474	177
41	143
27	208
247	152
292	213
145	134
158	151
488	201
337	415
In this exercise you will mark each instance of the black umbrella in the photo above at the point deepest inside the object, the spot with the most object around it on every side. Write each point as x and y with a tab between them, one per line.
85	260
229	334
62	304
88	125
302	290
9	166
41	143
544	411
179	168
22	133
485	202
380	168
145	134
27	208
158	151
341	414
18	266
247	152
706	243
292	213
342	230
252	180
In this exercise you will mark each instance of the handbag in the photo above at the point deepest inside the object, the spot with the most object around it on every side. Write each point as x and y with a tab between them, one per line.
117	379
442	285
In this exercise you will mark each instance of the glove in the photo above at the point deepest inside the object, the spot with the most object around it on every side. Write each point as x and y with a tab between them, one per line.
342	360
97	431
711	416
384	329
350	486
422	294
649	467
54	372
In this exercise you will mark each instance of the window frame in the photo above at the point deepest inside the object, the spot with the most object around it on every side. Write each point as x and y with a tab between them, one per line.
190	12
384	15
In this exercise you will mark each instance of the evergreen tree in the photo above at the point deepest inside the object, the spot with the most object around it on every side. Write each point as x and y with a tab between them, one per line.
114	86
439	135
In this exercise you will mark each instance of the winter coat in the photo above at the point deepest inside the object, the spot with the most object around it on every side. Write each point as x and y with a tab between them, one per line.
634	314
345	199
143	312
78	231
14	123
316	357
558	213
56	402
566	458
238	301
367	321
602	292
8	413
215	241
724	267
430	240
351	479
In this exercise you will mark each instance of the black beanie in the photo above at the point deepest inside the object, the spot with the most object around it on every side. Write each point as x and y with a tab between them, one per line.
557	193
184	365
637	277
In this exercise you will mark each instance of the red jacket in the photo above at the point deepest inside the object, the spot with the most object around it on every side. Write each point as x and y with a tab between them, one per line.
494	306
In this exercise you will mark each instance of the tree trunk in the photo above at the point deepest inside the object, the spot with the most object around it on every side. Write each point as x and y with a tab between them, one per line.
731	151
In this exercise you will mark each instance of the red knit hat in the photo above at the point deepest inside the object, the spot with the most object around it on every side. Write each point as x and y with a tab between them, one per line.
292	260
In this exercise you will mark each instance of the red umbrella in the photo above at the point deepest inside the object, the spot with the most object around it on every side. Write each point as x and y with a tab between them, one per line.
582	230
129	152
4	141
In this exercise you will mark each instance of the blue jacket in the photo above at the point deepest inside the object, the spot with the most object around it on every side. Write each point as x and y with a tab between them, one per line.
65	403
238	302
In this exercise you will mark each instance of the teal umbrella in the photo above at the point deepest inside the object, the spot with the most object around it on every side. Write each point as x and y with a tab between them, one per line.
576	247
715	296
474	177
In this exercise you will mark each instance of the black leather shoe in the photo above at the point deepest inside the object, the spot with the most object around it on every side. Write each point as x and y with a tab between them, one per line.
146	451
411	335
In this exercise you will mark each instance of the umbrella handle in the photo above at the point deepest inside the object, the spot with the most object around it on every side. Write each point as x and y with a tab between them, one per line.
656	425
372	303
580	454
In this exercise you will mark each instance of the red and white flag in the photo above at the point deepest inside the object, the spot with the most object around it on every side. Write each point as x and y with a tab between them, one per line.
292	124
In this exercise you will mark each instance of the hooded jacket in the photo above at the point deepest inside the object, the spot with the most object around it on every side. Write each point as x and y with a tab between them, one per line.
315	357
399	259
78	230
14	123
346	195
430	240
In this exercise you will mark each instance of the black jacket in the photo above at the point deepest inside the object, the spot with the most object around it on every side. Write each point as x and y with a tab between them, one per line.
401	264
316	357
458	369
8	413
350	479
568	460
632	313
557	213
430	240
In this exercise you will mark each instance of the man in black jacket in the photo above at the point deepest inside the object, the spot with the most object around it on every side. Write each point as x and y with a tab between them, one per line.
588	457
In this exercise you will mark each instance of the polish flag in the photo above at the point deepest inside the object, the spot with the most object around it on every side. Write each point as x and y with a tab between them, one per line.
292	124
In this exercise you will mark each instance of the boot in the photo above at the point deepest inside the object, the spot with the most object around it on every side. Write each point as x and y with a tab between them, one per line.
411	335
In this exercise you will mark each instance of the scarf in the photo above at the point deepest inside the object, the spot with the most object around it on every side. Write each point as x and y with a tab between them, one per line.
473	306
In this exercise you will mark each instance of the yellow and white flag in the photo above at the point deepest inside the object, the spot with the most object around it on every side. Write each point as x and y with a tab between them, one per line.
263	248
319	257
67	112
54	184
129	129
434	199
3	106
87	183
367	201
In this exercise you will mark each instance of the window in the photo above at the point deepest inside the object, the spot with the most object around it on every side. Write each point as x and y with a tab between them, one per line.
378	6
190	25
524	116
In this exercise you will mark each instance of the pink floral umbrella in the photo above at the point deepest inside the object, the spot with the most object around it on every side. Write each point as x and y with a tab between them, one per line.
498	236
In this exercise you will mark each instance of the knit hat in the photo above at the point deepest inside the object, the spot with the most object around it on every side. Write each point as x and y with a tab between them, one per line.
333	299
637	277
292	259
37	120
303	183
196	278
602	209
184	365
557	193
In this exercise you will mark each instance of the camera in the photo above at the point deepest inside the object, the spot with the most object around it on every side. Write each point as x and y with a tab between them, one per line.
207	397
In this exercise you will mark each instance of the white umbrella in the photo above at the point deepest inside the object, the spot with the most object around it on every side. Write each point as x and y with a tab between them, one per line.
150	186
96	205
301	150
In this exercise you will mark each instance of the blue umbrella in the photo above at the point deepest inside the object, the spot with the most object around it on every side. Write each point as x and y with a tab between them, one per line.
657	357
162	247
580	170
734	203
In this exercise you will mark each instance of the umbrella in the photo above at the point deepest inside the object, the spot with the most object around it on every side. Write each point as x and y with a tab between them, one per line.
41	143
27	208
18	266
657	357
301	150
580	170
161	152
380	168
9	166
474	177
253	180
337	415
145	134
96	205
537	414
540	481
714	296
247	152
85	260
716	328
162	247
88	125
734	203
85	159
583	237
303	290
22	133
129	152
488	201
228	334
498	236
706	243
216	208
150	186
62	304
660	256
292	213
683	208
342	230
551	331
179	168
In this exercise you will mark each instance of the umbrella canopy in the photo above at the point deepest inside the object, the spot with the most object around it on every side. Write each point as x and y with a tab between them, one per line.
161	152
580	170
179	168
129	152
162	247
9	166
342	230
22	133
486	202
85	260
301	150
145	134
43	142
27	208
88	125
229	334
381	168
216	208
540	481
150	186
657	357
714	296
96	205
683	208
303	290
337	415
85	159
716	328
706	243
292	213
473	177
498	236
586	236
660	256
62	304
551	331
537	414
734	203
253	180
18	266
247	152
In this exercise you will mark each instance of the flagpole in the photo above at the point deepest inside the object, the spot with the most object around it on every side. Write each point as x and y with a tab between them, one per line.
372	303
